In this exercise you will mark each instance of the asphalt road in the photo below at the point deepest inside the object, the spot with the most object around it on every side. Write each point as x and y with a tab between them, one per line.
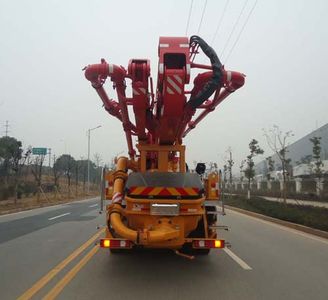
38	259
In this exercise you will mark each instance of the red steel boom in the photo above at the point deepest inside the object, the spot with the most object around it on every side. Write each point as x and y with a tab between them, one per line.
165	118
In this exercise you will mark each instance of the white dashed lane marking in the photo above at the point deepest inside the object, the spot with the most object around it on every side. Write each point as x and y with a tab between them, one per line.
237	259
59	216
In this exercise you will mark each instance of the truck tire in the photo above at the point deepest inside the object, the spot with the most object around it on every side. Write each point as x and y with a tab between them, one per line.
211	218
199	232
115	251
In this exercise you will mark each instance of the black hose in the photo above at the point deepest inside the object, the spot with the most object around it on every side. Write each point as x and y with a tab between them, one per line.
216	79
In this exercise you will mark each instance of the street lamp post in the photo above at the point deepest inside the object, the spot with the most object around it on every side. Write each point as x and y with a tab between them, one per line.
89	131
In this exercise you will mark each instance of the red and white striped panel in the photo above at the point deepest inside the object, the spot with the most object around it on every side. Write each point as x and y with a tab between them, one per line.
174	84
117	198
137	91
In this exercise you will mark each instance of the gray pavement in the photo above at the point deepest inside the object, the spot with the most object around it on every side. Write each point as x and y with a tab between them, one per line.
34	245
285	264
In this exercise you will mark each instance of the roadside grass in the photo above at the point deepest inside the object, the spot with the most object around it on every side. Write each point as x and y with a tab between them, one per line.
9	206
315	217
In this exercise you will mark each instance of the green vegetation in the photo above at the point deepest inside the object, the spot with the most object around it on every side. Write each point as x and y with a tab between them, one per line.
315	217
24	174
255	150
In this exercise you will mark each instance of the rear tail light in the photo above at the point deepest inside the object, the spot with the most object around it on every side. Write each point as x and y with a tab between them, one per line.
115	243
208	244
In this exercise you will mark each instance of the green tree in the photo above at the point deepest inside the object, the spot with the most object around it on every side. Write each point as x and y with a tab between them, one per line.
12	161
316	150
270	167
65	164
241	170
37	168
10	155
230	164
225	171
255	150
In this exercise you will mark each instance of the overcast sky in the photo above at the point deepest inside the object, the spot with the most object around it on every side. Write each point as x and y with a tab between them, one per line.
48	102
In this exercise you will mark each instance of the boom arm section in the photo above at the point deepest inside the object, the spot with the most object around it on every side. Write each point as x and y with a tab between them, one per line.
165	118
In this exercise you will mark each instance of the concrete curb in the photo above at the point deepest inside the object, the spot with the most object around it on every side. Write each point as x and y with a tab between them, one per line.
317	232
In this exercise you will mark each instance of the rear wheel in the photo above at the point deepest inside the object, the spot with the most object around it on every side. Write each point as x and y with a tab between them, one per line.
115	251
199	232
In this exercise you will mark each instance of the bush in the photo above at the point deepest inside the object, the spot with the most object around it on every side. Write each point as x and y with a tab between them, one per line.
7	192
311	216
27	189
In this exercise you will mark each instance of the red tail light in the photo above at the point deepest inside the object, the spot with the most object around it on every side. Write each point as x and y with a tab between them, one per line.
208	244
115	243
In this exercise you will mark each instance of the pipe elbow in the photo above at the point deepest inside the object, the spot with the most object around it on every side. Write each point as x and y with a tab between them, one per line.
121	229
234	80
93	72
159	234
117	73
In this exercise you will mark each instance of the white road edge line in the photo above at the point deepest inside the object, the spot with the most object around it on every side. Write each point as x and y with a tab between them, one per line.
93	205
237	259
56	217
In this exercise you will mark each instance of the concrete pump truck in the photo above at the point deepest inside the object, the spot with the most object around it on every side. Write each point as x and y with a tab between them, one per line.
154	201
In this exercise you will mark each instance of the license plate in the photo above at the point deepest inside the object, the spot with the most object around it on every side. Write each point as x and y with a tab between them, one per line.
160	209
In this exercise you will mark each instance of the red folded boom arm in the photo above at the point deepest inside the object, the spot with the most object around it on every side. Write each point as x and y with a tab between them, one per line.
166	116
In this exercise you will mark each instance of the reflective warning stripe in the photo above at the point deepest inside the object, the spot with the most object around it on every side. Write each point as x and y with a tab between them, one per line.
163	191
174	85
137	190
178	78
173	192
110	69
229	76
191	191
169	91
161	68
155	191
117	198
188	69
139	91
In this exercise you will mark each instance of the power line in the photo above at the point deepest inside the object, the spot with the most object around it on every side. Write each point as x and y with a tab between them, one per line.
188	21
220	21
241	30
234	28
201	20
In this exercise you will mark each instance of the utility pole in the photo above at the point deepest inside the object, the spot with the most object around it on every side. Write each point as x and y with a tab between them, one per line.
89	132
7	128
49	152
230	165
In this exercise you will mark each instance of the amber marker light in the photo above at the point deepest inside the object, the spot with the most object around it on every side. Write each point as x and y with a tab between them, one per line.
105	243
219	244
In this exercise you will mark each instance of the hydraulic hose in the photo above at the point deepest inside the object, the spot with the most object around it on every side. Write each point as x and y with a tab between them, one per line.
216	79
